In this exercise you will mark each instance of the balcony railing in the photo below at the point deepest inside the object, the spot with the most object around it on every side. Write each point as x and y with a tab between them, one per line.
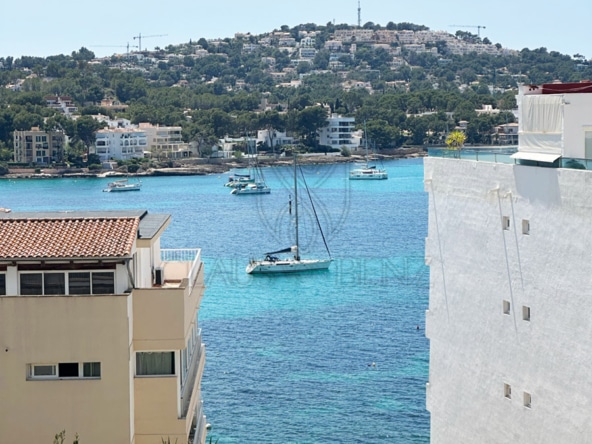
188	255
486	154
503	155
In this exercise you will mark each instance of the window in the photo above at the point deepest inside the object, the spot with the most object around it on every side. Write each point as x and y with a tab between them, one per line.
505	223
525	313
65	370
31	284
91	370
68	370
506	307
54	283
155	363
103	283
79	283
43	371
527	400
525	226
507	391
2	284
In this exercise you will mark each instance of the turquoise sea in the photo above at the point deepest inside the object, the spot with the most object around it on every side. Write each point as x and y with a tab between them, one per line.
324	357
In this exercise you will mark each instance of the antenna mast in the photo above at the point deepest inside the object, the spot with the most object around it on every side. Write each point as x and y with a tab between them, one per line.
359	15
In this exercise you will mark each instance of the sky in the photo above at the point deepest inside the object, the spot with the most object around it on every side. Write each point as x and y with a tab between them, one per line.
42	28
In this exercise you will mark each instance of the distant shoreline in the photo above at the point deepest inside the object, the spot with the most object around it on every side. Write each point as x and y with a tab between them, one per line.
202	167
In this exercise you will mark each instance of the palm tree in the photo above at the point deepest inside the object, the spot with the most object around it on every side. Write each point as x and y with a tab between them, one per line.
455	141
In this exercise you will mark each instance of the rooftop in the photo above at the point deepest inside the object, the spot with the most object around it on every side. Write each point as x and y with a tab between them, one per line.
75	235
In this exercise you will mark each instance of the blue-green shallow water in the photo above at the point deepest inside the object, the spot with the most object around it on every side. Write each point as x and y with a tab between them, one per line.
290	358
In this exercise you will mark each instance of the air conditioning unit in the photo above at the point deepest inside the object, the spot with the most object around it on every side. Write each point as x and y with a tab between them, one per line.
158	276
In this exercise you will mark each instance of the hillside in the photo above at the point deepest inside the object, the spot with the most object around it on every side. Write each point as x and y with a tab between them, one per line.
409	84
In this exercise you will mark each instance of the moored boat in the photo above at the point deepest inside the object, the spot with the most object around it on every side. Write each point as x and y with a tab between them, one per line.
123	185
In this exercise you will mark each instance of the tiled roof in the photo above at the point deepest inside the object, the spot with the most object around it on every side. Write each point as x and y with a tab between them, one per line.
85	237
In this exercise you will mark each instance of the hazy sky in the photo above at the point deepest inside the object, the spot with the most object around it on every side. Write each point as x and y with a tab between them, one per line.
43	28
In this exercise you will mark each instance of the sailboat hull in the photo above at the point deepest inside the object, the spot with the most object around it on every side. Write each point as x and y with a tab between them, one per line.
287	266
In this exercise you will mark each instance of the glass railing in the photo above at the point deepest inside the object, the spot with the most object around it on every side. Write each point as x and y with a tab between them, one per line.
502	155
575	164
483	154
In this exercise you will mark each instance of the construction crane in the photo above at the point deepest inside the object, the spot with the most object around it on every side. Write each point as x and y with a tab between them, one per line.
471	26
140	37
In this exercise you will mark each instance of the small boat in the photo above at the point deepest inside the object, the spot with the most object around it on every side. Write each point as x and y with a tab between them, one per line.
275	264
123	185
254	182
238	180
251	188
367	171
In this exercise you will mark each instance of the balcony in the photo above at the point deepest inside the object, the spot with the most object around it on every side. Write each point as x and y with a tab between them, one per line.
164	313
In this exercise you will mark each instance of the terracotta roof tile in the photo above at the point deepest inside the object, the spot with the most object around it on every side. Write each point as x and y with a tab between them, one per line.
67	237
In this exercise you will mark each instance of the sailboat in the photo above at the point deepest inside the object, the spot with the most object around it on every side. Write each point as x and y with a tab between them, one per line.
275	264
367	171
253	183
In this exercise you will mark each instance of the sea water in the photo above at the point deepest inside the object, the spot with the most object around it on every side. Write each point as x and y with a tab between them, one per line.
335	356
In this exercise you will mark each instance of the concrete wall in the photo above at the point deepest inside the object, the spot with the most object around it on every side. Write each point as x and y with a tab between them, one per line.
54	329
476	265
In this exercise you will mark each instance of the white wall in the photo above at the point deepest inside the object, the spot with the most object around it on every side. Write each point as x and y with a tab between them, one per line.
474	266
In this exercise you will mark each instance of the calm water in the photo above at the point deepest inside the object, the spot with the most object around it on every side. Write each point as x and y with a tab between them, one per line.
323	357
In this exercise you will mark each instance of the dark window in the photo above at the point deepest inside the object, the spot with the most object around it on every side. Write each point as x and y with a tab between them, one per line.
68	369
2	284
79	283
91	369
31	284
55	283
103	283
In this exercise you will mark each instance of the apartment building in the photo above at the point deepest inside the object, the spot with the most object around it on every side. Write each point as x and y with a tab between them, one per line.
99	330
120	143
339	133
508	249
167	142
40	147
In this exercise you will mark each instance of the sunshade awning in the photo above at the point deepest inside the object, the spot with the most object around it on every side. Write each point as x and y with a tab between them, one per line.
536	157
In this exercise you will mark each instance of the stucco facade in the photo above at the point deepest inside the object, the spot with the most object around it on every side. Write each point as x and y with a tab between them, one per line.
509	255
98	330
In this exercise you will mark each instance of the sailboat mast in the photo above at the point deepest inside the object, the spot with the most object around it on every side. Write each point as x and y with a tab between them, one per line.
297	254
366	142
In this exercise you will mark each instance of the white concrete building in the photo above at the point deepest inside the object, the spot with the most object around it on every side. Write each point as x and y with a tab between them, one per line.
276	138
167	142
508	248
338	133
120	143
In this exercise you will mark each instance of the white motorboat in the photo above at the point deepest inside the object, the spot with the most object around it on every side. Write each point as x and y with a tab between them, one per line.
251	188
123	185
276	264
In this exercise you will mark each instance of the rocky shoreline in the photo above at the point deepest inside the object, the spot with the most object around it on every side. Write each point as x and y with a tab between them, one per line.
208	166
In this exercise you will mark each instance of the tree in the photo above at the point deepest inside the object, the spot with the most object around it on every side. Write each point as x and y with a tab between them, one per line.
86	127
455	141
310	120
